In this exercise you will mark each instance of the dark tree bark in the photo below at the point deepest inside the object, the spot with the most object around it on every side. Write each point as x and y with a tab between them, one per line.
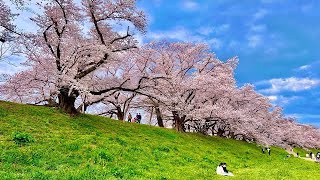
178	121
220	132
159	117
66	101
52	103
120	113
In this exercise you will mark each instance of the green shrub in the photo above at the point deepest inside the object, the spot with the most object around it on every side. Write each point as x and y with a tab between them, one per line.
22	138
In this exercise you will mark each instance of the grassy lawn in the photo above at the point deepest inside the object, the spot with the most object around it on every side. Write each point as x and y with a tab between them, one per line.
92	147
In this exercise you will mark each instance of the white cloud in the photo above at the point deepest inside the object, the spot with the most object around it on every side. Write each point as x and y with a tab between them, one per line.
281	100
260	14
205	30
290	84
272	98
254	40
10	69
184	35
304	67
210	29
223	28
190	5
215	43
178	33
258	28
305	115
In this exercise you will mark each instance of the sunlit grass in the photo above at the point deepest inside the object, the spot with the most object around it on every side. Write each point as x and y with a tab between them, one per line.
92	147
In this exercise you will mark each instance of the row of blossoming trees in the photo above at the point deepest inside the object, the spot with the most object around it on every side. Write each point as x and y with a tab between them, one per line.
78	58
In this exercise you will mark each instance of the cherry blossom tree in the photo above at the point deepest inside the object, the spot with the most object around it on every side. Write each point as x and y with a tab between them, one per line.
183	67
7	30
80	57
118	104
37	85
76	55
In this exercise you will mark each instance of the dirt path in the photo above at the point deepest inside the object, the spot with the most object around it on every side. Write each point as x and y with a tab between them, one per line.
295	155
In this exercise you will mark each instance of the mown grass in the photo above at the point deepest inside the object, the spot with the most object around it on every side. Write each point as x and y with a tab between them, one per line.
92	147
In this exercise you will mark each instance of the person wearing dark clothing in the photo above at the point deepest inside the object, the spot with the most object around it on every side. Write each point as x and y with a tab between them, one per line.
188	127
263	150
310	155
269	151
222	170
139	117
318	156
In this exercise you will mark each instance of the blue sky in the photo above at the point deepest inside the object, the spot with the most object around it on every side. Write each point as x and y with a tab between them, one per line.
277	42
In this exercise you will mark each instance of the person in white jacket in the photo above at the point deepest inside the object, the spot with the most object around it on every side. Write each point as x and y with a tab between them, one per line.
222	170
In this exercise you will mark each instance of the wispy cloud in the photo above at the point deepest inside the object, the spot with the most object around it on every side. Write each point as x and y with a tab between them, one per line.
205	30
185	35
222	28
11	69
280	100
312	119
260	14
190	5
215	43
304	67
208	30
272	98
289	84
258	27
254	40
178	33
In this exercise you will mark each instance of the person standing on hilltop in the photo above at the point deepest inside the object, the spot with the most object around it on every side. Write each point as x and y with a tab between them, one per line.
269	150
129	117
139	117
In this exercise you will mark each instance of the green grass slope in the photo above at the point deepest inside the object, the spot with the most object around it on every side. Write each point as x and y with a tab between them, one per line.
92	147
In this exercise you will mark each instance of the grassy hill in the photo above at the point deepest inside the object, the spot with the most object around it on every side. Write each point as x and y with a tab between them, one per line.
92	147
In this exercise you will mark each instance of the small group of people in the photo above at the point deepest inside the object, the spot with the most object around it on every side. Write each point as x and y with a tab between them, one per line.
136	119
318	157
266	149
222	170
315	156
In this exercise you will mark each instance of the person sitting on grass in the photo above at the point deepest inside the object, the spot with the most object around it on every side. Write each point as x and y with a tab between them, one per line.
222	170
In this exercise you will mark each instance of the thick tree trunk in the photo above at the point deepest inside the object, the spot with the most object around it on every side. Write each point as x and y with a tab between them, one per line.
159	117
178	121
52	103
120	114
66	102
220	132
